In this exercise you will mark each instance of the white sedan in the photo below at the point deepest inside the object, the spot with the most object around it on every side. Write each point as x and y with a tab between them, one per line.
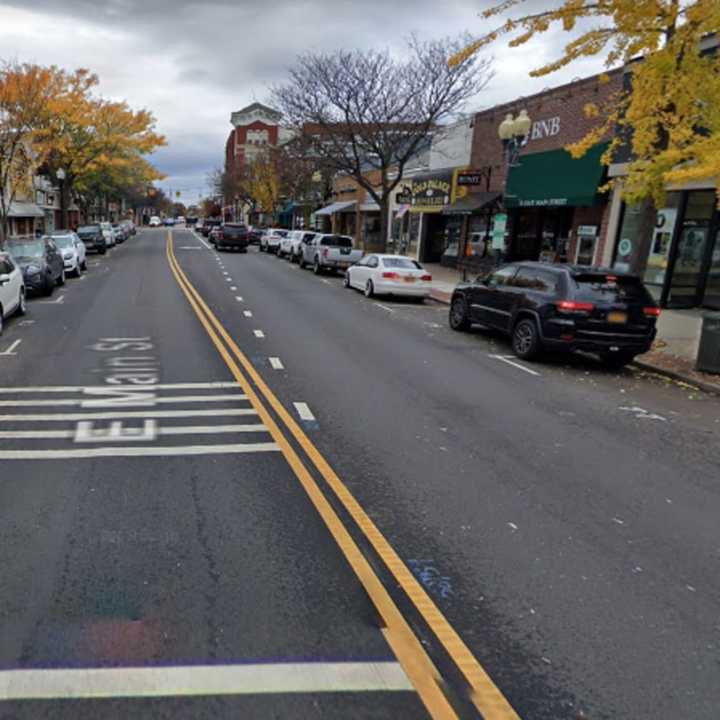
12	289
270	241
73	252
389	275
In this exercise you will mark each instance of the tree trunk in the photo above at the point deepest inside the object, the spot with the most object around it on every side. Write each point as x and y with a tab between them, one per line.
384	221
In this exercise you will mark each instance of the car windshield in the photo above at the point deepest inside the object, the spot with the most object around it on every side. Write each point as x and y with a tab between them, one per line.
406	263
88	229
64	241
337	241
23	250
607	287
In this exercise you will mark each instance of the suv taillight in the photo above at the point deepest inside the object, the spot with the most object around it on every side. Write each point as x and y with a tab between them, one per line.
426	278
573	306
652	312
391	275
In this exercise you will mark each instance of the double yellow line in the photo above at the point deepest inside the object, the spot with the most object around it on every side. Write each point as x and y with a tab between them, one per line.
409	651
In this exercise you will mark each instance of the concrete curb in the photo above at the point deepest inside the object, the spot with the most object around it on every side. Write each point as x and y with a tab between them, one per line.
707	387
440	297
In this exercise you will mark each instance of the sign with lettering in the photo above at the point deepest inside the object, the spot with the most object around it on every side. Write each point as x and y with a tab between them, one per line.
431	194
471	178
545	128
498	233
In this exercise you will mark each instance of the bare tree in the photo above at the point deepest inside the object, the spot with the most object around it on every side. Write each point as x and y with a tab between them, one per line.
364	111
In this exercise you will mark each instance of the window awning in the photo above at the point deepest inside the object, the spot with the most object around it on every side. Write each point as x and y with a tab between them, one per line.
335	207
25	210
553	178
471	203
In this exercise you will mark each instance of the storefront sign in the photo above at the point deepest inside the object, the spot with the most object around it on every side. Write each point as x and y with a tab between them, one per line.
625	246
431	195
498	233
545	202
545	128
587	230
471	178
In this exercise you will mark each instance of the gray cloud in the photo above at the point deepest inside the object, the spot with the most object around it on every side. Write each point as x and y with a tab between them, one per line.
193	63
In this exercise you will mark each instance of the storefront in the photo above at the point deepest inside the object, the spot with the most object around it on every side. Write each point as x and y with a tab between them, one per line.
555	207
681	262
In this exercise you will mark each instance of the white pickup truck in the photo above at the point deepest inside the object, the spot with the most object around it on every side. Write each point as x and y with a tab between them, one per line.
329	252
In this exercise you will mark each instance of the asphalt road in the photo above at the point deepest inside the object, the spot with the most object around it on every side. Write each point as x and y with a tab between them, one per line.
563	518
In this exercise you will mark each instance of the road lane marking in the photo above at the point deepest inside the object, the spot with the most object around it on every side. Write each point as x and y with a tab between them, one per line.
122	402
397	632
11	350
147	451
239	299
247	313
59	301
276	363
303	411
510	361
233	288
483	692
173	430
385	307
52	417
259	333
95	388
196	680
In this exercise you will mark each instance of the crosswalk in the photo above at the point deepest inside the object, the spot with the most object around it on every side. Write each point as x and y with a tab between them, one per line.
84	422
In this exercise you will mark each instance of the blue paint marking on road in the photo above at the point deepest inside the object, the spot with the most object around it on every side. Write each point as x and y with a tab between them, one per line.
431	578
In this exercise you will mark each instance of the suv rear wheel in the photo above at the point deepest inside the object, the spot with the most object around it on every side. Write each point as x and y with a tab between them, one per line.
458	316
526	339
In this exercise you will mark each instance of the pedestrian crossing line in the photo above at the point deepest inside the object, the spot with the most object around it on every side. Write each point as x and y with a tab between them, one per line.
120	401
147	451
113	388
178	430
49	417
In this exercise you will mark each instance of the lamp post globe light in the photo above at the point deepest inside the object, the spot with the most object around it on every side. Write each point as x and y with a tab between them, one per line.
61	175
513	132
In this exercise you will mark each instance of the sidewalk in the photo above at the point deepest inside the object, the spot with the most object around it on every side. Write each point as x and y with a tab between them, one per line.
673	354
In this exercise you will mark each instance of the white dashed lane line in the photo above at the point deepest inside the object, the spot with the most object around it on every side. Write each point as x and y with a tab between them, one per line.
239	299
515	364
276	363
10	351
303	411
247	313
259	333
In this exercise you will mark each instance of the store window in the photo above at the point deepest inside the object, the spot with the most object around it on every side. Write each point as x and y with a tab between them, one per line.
659	252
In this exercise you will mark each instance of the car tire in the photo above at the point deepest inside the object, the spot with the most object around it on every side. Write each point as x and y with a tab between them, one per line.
369	289
22	305
317	267
49	288
2	319
301	262
618	360
458	316
346	281
78	271
103	251
84	266
61	279
525	339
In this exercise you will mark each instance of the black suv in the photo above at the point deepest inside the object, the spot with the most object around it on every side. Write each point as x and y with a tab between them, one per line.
233	236
41	262
92	236
561	307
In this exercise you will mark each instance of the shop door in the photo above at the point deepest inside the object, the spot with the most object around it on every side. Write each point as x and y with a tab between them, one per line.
711	298
434	242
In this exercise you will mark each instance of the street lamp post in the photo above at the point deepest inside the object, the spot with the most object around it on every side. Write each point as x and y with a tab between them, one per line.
61	175
513	132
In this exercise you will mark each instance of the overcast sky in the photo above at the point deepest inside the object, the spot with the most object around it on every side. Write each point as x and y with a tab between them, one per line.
193	63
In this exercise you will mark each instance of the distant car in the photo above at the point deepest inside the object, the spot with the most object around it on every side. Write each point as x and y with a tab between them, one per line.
389	275
169	222
12	289
208	225
191	221
41	263
129	226
255	234
155	221
561	308
93	238
180	220
121	233
271	239
231	236
107	230
73	250
291	246
326	251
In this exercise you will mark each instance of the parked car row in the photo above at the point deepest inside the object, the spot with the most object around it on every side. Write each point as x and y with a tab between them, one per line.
539	306
31	265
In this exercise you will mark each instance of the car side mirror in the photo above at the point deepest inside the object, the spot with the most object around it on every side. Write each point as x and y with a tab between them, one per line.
4	279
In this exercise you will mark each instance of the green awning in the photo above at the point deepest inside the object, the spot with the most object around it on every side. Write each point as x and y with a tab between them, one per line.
553	178
289	208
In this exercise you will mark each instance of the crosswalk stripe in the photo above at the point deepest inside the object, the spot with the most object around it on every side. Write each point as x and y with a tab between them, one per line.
88	388
52	417
182	430
147	451
120	401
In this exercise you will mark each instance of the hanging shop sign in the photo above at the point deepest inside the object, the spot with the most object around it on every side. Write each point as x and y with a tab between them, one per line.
498	233
472	178
431	194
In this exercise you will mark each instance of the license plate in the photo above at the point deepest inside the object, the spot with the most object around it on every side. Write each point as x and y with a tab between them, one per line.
409	279
617	317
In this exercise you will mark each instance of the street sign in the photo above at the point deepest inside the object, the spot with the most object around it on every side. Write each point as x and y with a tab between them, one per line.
498	233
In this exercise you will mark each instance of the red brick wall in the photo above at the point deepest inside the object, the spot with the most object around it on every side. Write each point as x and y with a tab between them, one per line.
565	103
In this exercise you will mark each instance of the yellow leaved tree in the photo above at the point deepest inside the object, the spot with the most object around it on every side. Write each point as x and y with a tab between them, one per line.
670	113
263	183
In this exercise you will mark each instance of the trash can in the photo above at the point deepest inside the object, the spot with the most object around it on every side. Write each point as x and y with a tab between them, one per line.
708	359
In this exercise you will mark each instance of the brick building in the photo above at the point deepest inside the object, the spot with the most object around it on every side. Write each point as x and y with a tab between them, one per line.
549	203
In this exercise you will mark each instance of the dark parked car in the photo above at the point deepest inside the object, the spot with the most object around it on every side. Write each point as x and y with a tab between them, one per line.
191	221
41	263
230	236
561	307
254	235
209	225
92	236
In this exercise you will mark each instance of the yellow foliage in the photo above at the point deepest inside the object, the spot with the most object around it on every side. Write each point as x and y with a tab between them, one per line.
672	112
